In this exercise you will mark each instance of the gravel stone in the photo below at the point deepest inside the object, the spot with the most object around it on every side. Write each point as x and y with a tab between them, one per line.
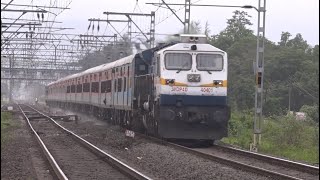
155	160
21	157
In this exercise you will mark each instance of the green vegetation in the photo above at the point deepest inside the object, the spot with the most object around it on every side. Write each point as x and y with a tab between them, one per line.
282	136
5	124
291	65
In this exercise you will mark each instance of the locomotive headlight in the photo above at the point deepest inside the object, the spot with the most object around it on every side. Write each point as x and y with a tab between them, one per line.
169	81
193	77
218	82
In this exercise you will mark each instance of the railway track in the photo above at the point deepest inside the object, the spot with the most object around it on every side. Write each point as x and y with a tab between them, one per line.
269	166
72	157
305	168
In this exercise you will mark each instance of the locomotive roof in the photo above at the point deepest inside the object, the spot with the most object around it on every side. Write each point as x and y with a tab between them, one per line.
186	46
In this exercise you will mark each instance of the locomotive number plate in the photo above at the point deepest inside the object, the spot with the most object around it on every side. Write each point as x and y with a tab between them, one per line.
179	89
206	90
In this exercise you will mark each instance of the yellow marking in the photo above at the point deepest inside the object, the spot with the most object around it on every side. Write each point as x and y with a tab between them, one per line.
163	82
224	84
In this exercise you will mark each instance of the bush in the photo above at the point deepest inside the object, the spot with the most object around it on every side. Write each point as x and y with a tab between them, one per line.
282	136
240	129
5	123
311	111
287	137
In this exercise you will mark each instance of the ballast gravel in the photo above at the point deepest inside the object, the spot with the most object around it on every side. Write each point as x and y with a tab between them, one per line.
154	160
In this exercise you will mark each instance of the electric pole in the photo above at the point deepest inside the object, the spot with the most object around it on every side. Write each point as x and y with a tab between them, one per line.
259	70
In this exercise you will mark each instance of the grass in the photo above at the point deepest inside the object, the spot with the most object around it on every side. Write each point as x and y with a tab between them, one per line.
5	124
281	136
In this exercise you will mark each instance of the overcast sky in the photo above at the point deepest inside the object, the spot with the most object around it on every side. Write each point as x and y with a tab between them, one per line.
294	16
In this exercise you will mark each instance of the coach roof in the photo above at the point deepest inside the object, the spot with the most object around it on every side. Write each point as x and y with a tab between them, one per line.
103	67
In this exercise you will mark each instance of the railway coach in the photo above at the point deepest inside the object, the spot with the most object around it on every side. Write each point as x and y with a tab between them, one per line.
175	91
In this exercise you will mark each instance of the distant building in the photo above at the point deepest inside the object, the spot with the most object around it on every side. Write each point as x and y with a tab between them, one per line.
301	116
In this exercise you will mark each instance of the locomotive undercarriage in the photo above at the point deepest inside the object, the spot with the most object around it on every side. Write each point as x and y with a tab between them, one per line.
193	122
169	122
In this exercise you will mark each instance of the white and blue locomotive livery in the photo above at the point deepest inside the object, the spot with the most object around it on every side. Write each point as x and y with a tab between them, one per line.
175	91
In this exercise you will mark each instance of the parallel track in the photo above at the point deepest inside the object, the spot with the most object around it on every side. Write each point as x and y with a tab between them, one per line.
273	160
119	166
313	172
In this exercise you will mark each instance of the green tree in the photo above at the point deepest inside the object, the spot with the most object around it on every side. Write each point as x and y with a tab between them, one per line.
236	30
284	38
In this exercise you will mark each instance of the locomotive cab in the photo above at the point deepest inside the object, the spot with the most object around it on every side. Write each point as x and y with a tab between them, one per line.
191	90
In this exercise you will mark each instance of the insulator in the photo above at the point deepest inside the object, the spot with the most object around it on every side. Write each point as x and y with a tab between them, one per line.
38	15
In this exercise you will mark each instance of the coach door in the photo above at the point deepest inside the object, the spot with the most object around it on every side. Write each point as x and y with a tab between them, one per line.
90	93
125	86
114	88
99	88
121	88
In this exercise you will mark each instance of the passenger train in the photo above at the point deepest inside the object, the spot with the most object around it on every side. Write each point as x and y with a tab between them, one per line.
173	91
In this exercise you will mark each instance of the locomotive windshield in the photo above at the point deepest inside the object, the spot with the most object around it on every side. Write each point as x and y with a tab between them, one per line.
178	61
209	62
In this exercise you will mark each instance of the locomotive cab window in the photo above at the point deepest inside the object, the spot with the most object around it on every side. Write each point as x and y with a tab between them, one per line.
178	61
209	62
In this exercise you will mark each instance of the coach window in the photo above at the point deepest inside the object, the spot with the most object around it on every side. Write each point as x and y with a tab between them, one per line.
86	87
68	89
104	87
119	84
158	65
115	85
178	61
124	84
209	62
108	86
73	88
79	88
95	87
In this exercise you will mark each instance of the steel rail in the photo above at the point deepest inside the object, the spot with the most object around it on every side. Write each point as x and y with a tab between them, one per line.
228	162
105	156
59	173
284	162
